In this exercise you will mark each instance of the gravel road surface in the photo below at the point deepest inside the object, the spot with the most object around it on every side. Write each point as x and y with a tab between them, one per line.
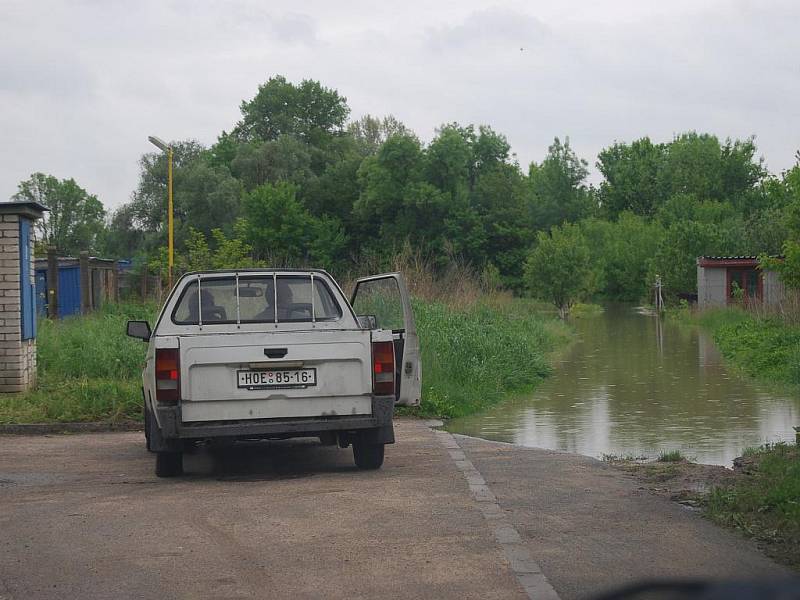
83	516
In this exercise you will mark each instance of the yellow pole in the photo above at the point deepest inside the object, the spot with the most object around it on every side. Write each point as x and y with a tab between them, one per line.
169	215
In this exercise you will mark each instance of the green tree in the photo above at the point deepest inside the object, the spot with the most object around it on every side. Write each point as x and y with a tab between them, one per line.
282	231
698	164
675	258
308	111
371	132
197	255
630	173
622	250
75	220
789	266
559	268
121	238
449	161
281	159
149	201
500	199
208	198
422	196
335	191
559	191
384	179
490	150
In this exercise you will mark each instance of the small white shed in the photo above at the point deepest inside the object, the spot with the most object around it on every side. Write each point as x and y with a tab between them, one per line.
725	280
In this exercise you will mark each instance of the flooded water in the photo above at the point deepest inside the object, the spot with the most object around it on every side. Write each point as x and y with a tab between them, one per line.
635	385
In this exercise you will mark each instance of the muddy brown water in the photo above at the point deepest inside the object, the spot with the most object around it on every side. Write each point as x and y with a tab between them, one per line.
635	385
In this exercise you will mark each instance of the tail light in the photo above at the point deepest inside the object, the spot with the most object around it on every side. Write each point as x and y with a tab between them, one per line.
383	368
168	375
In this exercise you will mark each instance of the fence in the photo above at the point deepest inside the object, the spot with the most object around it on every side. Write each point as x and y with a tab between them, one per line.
69	286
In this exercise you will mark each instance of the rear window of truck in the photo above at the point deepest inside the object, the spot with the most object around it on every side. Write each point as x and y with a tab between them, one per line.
260	299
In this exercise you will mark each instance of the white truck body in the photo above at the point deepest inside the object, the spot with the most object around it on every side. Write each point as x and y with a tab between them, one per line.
277	353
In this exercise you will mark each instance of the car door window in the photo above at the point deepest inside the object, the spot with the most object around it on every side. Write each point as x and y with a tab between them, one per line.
380	298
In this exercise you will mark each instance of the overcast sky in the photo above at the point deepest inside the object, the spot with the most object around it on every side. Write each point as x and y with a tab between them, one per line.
83	83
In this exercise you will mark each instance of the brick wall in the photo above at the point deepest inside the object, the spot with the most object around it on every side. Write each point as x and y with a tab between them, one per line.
17	357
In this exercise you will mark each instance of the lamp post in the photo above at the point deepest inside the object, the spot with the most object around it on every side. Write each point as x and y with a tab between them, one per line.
161	145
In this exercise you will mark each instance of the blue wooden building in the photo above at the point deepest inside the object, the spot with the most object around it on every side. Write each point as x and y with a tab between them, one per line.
83	284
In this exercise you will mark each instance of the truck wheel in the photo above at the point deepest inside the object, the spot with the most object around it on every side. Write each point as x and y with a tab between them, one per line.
368	456
169	464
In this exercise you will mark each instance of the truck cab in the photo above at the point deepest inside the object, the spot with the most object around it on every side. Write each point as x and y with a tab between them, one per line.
274	354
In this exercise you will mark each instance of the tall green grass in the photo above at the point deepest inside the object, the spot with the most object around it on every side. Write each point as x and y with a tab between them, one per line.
89	370
477	356
762	347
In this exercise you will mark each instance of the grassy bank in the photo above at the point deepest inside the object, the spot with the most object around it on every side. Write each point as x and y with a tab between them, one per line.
764	347
473	355
762	501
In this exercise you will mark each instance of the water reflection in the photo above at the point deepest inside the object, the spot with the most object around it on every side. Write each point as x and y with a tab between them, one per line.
635	385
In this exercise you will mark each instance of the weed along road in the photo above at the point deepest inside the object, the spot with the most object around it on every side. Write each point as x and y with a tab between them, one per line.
83	516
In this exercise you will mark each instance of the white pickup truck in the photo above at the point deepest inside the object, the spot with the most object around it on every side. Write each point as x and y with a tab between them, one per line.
278	353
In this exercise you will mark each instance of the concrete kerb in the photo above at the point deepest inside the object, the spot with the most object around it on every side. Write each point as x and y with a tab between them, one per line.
526	570
56	428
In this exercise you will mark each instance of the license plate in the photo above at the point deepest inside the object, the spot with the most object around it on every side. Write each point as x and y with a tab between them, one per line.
283	378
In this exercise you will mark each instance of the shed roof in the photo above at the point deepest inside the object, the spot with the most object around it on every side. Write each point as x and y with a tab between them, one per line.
71	260
731	261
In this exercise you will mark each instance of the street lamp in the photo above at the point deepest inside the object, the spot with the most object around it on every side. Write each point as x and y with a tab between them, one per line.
161	145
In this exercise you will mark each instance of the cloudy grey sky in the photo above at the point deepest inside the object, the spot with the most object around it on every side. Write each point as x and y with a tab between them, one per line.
83	82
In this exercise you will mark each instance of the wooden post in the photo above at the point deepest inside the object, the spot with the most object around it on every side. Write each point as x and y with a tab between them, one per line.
52	282
86	292
115	282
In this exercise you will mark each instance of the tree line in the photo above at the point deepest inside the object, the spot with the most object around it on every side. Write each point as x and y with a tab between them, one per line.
294	182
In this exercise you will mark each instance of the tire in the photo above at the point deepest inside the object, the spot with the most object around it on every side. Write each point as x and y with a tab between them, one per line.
169	464
368	456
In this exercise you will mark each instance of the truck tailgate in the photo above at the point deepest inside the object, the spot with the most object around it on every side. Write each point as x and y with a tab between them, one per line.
212	389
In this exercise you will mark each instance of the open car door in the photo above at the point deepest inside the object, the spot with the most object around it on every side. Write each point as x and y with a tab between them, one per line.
383	302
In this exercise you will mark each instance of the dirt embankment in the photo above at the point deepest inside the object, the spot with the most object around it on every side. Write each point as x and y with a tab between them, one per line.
735	497
685	482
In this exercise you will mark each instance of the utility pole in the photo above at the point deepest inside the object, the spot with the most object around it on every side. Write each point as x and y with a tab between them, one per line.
659	299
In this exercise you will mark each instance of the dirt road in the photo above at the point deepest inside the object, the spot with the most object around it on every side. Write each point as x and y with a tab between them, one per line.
83	516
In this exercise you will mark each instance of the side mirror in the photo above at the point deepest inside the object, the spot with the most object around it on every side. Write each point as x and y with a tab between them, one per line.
367	321
139	329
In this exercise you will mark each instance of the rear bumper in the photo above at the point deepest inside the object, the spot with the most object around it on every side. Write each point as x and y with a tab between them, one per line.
172	427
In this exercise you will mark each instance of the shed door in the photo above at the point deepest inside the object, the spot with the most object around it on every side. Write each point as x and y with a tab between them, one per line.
744	285
69	291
